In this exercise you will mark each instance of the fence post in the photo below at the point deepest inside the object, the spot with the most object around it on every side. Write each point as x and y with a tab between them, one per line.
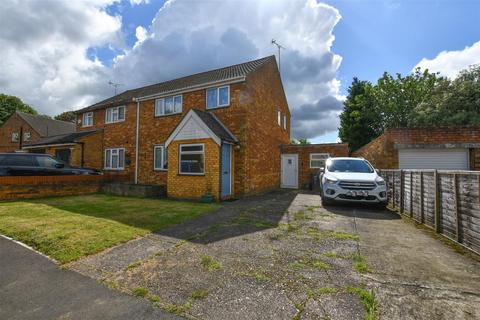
411	194
401	191
437	201
422	214
457	211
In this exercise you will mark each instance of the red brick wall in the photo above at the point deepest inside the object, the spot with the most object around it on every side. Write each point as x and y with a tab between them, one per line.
382	153
13	124
13	188
304	151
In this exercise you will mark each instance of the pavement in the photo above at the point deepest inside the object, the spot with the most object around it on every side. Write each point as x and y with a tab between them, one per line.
34	287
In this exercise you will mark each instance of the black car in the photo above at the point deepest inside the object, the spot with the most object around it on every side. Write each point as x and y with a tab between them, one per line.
35	164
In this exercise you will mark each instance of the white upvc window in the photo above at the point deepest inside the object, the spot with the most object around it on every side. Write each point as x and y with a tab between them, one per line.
14	136
317	160
115	158
115	114
160	158
279	118
285	121
192	159
218	97
26	136
87	119
168	105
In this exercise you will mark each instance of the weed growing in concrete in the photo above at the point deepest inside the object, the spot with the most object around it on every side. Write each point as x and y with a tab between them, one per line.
210	263
140	292
154	298
359	263
111	284
297	265
321	291
133	265
199	294
178	309
368	300
345	235
331	254
257	275
319	264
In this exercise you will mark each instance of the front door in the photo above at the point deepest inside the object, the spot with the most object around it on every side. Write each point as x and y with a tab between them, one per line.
290	171
226	170
63	154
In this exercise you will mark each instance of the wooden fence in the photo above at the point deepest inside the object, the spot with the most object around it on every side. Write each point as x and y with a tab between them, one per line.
447	201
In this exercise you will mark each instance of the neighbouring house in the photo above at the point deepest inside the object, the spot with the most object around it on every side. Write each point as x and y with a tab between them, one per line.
309	160
218	132
24	128
425	148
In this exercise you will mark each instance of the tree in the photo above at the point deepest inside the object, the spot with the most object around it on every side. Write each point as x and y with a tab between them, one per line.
360	122
452	103
303	141
9	104
68	116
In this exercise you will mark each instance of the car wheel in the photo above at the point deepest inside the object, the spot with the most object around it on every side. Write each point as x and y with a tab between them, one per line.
325	201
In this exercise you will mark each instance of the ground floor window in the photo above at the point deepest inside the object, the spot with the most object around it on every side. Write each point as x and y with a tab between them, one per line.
115	158
160	158
317	160
192	159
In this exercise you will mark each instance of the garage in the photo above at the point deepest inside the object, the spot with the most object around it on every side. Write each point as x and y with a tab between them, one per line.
442	159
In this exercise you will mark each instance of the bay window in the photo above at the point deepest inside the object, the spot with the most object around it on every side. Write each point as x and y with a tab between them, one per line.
160	158
192	159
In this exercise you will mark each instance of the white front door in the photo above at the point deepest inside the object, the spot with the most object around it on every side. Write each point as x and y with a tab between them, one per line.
290	171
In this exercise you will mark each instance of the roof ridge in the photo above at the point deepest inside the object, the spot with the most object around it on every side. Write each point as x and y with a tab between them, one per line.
43	116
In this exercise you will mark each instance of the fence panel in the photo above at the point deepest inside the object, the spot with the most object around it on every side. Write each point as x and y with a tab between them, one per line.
447	201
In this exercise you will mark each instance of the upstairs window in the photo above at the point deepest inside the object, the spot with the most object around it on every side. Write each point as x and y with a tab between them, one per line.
26	136
160	158
317	160
279	118
285	121
168	105
115	159
15	137
218	97
115	114
87	119
192	159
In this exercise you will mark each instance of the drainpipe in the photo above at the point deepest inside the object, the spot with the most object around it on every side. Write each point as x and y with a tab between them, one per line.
136	141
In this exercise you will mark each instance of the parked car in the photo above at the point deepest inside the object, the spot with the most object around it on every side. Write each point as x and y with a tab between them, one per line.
351	180
34	164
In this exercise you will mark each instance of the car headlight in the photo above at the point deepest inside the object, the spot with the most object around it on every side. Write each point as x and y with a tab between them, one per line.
380	181
330	180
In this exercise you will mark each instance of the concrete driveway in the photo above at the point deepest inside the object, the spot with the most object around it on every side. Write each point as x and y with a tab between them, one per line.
33	287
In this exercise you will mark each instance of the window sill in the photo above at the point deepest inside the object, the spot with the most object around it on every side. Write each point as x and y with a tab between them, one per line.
115	122
192	174
160	170
166	115
218	107
87	126
113	169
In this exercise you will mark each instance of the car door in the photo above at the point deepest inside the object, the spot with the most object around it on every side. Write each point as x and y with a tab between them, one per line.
21	165
48	166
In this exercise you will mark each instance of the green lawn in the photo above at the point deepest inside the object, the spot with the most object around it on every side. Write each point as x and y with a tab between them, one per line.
68	228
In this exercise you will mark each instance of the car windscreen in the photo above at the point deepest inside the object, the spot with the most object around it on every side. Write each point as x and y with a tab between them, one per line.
346	165
47	162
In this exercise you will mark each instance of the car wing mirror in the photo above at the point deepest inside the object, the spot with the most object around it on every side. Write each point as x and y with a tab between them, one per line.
59	165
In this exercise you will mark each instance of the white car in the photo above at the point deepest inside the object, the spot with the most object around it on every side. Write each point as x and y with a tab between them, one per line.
352	180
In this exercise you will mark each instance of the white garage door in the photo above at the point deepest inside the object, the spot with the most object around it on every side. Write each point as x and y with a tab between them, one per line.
443	159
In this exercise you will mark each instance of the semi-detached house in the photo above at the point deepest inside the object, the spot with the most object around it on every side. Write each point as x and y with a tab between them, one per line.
217	132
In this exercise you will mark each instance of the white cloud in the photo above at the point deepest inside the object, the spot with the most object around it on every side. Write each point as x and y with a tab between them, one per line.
449	63
44	51
138	2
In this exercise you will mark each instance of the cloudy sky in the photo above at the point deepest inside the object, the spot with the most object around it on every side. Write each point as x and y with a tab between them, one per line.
60	55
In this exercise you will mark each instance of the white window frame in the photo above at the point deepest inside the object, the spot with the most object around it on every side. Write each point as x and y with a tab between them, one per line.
115	112
163	114
218	97
26	136
117	150
164	150
15	136
180	152
324	155
279	116
87	115
285	121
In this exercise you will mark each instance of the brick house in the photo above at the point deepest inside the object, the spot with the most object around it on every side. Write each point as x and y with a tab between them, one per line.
216	132
21	129
425	148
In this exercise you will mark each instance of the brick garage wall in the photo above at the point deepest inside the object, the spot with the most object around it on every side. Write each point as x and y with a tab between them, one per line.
193	187
116	135
13	188
264	134
382	153
14	124
304	151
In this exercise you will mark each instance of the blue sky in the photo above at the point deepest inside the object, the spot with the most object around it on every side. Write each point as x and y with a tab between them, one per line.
139	42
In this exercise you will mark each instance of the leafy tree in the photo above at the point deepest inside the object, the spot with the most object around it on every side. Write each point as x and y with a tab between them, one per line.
453	102
66	116
9	104
303	141
359	122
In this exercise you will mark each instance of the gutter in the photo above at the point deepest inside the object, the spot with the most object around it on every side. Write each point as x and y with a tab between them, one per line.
49	145
136	139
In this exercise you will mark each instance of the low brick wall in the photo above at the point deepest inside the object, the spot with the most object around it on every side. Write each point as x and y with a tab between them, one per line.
135	190
13	188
